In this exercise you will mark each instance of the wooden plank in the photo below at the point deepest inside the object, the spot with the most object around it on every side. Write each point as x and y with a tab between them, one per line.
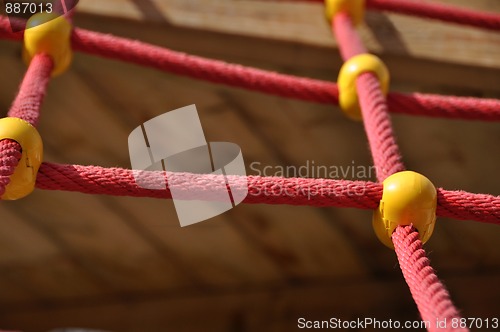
32	265
19	243
303	23
275	307
112	253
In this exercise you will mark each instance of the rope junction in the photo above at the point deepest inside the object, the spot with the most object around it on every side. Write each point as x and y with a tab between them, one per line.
431	297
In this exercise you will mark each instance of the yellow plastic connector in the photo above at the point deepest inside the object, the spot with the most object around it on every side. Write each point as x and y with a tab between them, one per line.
355	9
49	34
408	198
22	182
352	68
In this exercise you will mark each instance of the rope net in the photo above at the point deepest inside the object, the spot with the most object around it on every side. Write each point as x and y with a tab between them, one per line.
431	297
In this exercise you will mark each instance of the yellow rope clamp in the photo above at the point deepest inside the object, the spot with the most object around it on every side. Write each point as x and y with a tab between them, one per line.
355	9
49	34
408	198
22	182
352	68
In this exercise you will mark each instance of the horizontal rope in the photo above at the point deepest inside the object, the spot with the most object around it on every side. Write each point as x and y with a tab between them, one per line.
262	190
265	81
439	11
433	10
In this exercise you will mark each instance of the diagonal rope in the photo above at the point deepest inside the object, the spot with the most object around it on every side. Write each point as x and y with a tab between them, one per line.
26	106
376	120
430	295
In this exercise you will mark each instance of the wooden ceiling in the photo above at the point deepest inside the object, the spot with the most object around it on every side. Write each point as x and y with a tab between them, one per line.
124	264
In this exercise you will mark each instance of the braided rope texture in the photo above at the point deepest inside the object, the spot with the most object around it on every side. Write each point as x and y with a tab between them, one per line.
430	295
26	106
378	127
33	89
262	190
376	119
436	11
306	89
10	154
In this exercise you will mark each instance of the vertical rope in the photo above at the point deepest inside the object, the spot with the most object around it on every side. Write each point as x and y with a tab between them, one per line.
26	106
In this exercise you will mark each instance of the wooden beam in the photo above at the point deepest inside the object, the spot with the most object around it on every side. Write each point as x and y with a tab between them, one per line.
275	307
304	23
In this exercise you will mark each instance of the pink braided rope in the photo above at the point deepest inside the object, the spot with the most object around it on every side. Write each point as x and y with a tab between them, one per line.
255	79
376	120
262	190
348	40
267	190
32	91
10	153
437	11
26	106
378	127
430	295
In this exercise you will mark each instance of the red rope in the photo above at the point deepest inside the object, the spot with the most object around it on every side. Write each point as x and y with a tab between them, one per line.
429	294
452	107
10	153
264	81
432	298
262	190
200	68
378	127
376	120
270	82
437	11
266	190
32	90
27	107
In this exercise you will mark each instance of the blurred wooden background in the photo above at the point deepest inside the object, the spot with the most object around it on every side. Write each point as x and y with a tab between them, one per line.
124	264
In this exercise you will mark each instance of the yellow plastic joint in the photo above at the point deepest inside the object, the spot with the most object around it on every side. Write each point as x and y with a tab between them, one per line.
352	68
22	182
355	9
409	198
49	34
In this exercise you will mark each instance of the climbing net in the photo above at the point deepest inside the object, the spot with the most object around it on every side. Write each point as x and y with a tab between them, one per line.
430	295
